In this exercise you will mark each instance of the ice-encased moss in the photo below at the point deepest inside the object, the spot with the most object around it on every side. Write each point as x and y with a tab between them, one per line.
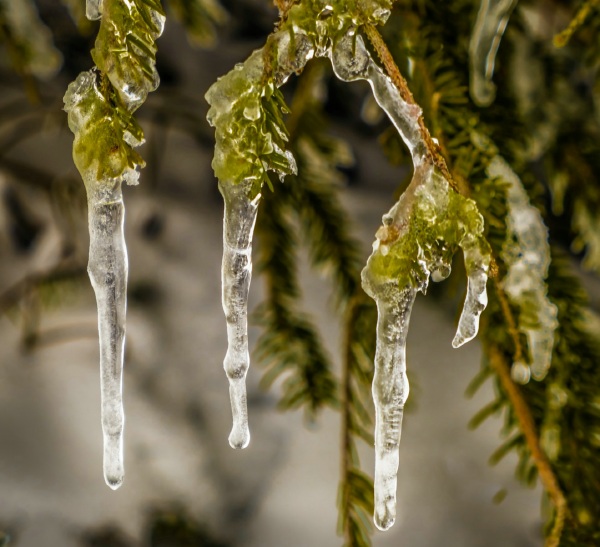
105	133
423	230
125	50
246	111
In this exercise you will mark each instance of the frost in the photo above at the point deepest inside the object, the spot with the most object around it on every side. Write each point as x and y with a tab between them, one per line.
526	254
418	237
33	39
490	25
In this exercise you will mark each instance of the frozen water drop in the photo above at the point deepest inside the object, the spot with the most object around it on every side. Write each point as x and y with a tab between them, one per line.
520	372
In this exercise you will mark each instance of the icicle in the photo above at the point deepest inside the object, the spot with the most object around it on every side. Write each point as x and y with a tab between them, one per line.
490	25
526	254
104	160
107	268
241	162
417	240
236	273
477	273
390	391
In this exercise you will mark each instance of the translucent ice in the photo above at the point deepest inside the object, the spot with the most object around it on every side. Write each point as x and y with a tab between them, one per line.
93	9
107	268
236	273
390	391
490	24
125	48
526	254
417	240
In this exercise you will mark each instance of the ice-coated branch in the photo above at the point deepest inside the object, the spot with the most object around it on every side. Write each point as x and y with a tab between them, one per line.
526	253
417	240
490	25
99	104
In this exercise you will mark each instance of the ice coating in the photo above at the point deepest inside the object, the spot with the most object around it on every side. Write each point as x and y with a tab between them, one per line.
236	272
107	268
415	242
125	48
33	39
526	254
490	25
93	9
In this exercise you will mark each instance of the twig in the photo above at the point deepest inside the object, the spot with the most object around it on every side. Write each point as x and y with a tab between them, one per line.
562	38
500	365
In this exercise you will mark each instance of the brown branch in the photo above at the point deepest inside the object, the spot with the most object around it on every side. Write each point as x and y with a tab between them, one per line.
385	56
510	320
500	365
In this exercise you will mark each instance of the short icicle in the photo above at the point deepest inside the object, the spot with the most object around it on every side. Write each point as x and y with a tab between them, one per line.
238	227
107	268
490	25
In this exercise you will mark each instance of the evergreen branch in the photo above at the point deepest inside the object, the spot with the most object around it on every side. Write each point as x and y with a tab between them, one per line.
355	498
289	343
563	37
522	410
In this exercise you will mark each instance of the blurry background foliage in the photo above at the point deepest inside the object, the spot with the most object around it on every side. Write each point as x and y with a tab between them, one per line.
545	121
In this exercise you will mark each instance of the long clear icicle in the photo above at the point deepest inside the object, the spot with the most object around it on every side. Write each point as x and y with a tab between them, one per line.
490	25
415	242
99	104
526	254
107	268
236	272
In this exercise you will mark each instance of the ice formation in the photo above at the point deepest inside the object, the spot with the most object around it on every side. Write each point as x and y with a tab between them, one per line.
526	254
33	39
241	162
99	104
236	273
490	25
417	240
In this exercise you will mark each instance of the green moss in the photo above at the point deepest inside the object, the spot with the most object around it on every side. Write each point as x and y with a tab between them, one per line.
102	127
125	50
246	107
438	221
